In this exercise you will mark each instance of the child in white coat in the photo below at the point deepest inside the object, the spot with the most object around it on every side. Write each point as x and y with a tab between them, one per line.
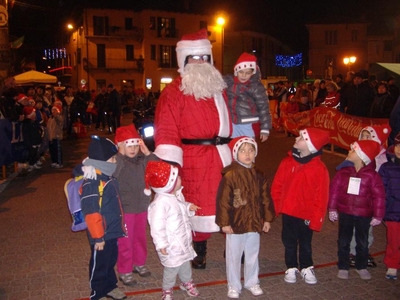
168	216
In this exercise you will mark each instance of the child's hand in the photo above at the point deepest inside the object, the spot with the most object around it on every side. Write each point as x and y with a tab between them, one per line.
267	226
333	215
263	137
143	148
193	207
99	246
227	229
164	251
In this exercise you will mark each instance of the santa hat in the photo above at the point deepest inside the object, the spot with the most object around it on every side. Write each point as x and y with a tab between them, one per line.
367	150
56	108
192	44
379	133
245	61
127	135
235	144
160	176
29	112
21	98
315	138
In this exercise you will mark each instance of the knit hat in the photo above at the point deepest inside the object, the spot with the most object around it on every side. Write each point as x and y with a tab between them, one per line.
358	74
367	150
379	133
101	148
160	176
245	61
29	112
192	44
315	138
128	135
235	144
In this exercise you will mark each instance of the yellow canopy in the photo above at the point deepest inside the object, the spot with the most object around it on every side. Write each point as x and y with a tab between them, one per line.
31	77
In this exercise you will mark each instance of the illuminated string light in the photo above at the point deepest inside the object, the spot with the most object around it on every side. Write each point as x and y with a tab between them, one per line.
288	61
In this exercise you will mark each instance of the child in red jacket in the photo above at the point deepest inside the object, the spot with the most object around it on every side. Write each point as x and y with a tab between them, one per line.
300	193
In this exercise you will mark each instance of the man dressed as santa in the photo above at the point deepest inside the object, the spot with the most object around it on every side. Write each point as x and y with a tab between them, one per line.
192	129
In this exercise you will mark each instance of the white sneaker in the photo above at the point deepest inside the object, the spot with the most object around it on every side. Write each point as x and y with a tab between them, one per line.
36	167
309	275
233	294
256	290
290	275
53	165
39	163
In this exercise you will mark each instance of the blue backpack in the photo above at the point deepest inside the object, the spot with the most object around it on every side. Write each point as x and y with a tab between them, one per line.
72	190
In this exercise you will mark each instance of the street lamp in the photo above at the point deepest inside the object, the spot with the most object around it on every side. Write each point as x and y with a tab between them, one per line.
221	22
348	61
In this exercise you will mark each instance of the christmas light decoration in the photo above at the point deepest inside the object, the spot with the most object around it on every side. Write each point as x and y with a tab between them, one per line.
289	61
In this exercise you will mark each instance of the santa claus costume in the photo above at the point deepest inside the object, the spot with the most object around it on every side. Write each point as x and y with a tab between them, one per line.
192	129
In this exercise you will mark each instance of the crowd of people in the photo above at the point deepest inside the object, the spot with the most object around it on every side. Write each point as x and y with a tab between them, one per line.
40	116
207	127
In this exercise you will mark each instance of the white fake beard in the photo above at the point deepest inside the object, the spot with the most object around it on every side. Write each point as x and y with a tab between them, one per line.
202	81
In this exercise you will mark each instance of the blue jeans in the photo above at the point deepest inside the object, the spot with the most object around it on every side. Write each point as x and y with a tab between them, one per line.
296	232
346	225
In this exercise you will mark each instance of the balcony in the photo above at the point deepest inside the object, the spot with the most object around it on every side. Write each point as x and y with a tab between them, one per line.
114	65
116	32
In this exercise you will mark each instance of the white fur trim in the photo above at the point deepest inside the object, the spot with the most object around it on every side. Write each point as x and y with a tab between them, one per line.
307	139
225	154
170	153
132	142
361	153
173	175
224	125
245	65
204	224
191	47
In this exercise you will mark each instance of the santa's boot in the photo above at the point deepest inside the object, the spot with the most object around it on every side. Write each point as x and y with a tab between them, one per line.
199	262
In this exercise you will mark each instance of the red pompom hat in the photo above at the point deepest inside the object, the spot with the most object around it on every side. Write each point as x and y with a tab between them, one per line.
128	135
160	176
235	144
315	138
379	133
192	44
245	61
367	150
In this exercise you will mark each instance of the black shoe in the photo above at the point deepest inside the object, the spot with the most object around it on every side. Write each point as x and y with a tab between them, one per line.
199	262
371	262
352	259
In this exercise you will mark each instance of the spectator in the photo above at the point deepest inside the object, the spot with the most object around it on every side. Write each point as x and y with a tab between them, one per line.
315	89
394	121
332	99
304	97
357	98
322	92
393	88
339	81
383	102
114	108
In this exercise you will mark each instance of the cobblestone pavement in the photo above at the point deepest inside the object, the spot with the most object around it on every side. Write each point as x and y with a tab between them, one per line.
40	258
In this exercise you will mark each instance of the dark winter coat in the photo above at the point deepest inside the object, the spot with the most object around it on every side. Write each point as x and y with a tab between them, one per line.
382	106
390	173
371	199
248	102
357	99
243	200
32	132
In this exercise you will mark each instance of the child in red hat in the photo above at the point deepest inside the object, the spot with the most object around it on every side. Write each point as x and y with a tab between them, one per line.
357	200
300	193
247	99
170	227
390	174
132	158
243	212
32	133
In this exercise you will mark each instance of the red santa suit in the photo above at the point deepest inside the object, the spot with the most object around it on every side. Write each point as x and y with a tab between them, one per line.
183	127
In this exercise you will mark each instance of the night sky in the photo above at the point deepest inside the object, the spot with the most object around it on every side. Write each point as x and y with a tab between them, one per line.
42	21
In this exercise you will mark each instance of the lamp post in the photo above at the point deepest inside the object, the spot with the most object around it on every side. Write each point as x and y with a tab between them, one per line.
221	23
348	61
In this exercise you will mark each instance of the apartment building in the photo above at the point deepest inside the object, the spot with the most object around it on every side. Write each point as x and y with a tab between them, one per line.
330	43
125	47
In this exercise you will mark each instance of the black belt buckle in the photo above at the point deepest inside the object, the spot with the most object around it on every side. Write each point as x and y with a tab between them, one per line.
222	140
218	140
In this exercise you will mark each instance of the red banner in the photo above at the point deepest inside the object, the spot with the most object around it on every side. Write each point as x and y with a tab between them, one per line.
343	129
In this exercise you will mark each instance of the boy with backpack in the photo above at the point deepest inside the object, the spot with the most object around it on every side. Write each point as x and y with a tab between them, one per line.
102	211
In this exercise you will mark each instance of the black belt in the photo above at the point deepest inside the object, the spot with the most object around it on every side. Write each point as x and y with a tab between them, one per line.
215	141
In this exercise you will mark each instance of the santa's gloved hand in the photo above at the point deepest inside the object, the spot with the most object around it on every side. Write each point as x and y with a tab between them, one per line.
375	222
333	216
